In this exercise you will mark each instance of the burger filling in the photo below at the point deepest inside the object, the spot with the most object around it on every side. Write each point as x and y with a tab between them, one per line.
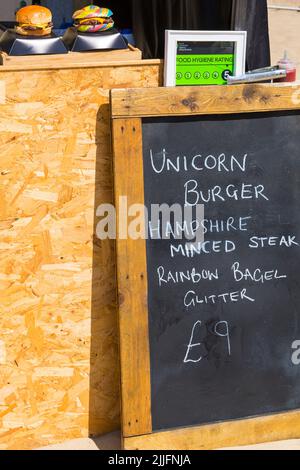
93	21
36	27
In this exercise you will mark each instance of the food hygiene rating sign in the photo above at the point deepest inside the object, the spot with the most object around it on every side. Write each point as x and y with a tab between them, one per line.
204	63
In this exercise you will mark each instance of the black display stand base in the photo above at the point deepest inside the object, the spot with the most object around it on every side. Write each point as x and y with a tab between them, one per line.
7	25
80	42
16	45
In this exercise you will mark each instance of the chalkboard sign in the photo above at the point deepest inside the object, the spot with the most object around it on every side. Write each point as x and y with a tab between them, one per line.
224	315
217	321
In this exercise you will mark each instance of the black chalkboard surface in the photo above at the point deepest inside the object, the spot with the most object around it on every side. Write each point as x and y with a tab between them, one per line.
223	323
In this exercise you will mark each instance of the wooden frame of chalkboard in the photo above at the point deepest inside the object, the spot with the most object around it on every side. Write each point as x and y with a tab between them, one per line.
129	107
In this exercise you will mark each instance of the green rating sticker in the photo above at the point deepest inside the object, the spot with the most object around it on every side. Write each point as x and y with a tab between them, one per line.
204	69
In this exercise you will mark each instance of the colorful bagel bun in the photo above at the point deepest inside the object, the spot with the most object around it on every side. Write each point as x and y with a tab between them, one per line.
93	19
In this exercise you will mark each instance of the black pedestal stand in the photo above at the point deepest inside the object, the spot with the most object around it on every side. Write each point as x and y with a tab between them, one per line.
16	45
80	42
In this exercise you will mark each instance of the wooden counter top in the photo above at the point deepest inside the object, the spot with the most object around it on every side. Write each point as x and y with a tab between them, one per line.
73	60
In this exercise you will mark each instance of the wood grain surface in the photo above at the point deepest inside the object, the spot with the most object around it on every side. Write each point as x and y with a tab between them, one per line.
59	363
132	283
221	435
182	101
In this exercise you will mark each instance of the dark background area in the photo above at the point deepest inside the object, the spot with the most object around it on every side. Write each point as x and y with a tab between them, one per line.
149	20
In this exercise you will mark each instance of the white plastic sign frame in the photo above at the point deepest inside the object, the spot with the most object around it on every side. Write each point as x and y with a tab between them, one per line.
172	37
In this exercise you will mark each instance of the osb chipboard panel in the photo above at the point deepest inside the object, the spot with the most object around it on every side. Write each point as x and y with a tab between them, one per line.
59	376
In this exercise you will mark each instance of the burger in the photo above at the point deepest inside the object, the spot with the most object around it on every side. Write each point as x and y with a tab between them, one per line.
34	20
93	19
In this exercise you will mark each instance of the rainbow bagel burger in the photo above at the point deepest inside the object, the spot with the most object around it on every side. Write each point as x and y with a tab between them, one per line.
93	19
34	20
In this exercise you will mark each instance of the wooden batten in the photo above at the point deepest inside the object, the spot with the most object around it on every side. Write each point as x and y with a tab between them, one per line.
180	101
221	435
132	281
